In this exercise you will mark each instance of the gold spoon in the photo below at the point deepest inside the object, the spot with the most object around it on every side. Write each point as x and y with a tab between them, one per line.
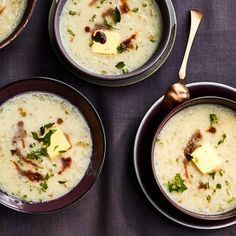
178	92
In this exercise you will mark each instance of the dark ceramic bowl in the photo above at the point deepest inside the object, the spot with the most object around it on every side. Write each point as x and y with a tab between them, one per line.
158	58
28	13
98	136
201	100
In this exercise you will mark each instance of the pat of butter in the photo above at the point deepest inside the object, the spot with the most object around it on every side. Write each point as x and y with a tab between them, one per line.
58	143
111	44
205	158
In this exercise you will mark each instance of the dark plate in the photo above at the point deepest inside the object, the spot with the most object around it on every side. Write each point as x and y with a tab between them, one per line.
28	13
142	158
153	64
98	136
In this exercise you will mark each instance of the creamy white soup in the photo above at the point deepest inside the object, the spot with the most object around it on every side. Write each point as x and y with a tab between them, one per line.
45	147
11	13
195	159
110	36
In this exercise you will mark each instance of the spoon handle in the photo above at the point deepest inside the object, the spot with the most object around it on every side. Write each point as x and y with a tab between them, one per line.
196	17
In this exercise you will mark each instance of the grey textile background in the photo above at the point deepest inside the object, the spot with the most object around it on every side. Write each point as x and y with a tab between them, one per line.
116	204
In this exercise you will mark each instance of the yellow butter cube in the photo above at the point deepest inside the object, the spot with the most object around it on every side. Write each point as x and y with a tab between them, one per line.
205	158
58	143
111	44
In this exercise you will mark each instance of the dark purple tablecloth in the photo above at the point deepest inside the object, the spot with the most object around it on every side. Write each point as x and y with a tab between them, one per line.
116	205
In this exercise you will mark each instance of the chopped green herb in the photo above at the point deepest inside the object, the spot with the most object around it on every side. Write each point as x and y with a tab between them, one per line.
212	174
177	184
62	182
24	197
45	127
121	48
227	182
32	145
207	185
218	186
144	4
49	175
38	154
116	16
43	186
70	32
125	70
222	139
108	23
72	13
55	147
102	1
120	65
232	199
208	198
62	151
135	10
92	19
153	40
221	172
213	119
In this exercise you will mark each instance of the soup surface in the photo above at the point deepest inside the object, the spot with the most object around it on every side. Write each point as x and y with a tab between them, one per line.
195	159
45	147
129	29
11	12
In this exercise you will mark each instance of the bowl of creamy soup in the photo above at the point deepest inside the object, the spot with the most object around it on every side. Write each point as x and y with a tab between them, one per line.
14	15
112	43
52	145
194	157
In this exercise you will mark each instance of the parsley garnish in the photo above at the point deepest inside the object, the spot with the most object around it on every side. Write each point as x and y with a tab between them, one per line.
135	10
43	186
208	198
116	16
177	184
38	154
72	13
62	182
218	186
121	48
212	174
120	65
222	139
213	119
45	127
70	32
93	18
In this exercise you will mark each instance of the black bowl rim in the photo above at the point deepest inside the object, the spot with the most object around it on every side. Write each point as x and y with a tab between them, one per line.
22	24
192	102
139	175
51	80
132	77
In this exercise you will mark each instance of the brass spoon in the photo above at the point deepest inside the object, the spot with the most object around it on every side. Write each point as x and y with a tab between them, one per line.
178	92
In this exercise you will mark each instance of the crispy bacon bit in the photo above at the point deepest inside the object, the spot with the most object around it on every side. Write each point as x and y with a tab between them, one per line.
124	6
108	12
192	143
32	176
18	153
201	185
2	9
186	164
128	41
66	163
93	2
212	130
20	134
59	121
